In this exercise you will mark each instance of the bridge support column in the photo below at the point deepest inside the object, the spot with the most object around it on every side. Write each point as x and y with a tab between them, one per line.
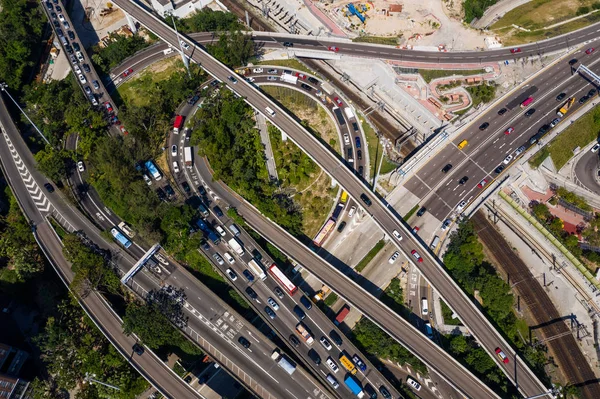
131	23
333	183
284	136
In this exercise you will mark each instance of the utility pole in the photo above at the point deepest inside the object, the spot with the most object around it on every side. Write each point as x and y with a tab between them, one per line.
89	378
184	58
3	87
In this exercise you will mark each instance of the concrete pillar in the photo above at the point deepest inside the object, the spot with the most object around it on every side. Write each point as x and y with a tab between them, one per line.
131	23
333	183
284	136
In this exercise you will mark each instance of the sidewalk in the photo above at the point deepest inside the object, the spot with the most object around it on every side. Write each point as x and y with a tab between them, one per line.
261	123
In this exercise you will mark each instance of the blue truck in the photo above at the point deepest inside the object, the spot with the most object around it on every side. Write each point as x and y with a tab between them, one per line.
206	229
354	385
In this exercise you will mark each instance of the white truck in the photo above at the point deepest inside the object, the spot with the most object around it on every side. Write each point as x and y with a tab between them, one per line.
283	362
235	245
289	79
257	270
349	113
187	156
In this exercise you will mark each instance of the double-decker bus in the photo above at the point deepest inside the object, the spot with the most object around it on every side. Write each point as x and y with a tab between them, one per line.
282	279
120	237
528	101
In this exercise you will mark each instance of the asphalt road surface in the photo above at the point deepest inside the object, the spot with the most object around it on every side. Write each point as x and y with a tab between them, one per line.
490	339
586	171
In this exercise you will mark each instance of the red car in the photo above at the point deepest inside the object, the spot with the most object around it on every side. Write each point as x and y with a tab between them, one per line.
482	183
590	50
501	355
338	101
124	131
300	76
416	256
509	130
109	108
333	48
415	230
127	72
515	50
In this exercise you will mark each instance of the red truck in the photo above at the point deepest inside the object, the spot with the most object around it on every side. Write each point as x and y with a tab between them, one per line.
178	124
341	315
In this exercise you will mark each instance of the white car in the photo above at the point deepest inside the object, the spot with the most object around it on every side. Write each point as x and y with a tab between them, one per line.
76	68
175	167
326	344
351	212
331	363
507	160
461	206
61	17
173	150
257	70
393	258
80	166
397	235
424	307
231	274
184	45
221	231
147	179
595	148
79	55
82	78
273	304
229	258
346	139
413	383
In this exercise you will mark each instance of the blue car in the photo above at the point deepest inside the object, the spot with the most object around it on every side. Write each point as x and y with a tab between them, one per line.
359	363
357	142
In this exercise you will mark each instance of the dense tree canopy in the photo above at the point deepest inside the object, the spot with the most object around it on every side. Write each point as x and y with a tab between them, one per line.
121	47
233	49
207	20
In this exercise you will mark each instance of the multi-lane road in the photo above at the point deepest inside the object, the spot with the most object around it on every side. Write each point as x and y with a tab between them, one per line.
431	268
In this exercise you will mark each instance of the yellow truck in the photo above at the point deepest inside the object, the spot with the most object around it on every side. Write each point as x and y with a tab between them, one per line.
347	364
565	107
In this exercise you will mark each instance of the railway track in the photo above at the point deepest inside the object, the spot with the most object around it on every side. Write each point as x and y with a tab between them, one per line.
548	322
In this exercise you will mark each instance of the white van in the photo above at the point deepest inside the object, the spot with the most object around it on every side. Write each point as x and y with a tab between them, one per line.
434	243
229	258
333	381
424	309
234	230
270	111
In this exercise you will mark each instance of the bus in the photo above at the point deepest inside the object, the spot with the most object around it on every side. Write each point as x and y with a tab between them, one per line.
120	237
324	233
282	279
528	101
153	170
347	364
257	270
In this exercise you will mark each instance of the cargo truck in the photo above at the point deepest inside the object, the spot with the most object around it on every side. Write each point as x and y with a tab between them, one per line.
341	315
354	386
256	269
187	156
349	113
304	333
283	362
289	79
235	245
178	124
338	114
565	108
347	364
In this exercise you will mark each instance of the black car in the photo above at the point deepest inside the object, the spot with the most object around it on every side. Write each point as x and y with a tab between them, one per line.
56	24
314	356
76	46
270	312
58	9
341	227
463	180
49	5
69	49
370	391
543	130
499	169
335	337
49	187
71	35
161	194
561	96
248	274
294	341
365	199
186	187
53	15
251	293
361	170
244	342
204	245
194	99
583	99
288	44
359	154
138	349
421	211
306	302
299	312
591	93
385	393
313	80
257	255
355	126
306	87
484	126
573	61
218	211
169	190
201	190
446	168
502	111
529	112
86	68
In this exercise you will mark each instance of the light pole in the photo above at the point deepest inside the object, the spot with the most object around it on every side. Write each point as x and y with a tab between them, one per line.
3	87
92	378
184	58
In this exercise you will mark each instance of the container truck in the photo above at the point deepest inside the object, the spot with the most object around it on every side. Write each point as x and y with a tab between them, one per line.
187	156
349	113
283	362
178	124
304	333
235	245
354	386
341	315
565	107
289	79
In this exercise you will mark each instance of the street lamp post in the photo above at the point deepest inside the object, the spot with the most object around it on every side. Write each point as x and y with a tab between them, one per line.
3	87
184	58
92	378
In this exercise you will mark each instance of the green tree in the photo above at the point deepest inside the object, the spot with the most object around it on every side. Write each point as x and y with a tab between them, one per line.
119	48
152	327
207	20
233	49
53	162
541	212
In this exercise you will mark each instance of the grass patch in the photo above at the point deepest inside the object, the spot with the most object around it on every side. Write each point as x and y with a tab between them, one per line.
331	298
538	158
447	314
430	74
462	111
369	256
373	143
411	212
579	134
391	41
393	296
135	90
62	233
291	63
